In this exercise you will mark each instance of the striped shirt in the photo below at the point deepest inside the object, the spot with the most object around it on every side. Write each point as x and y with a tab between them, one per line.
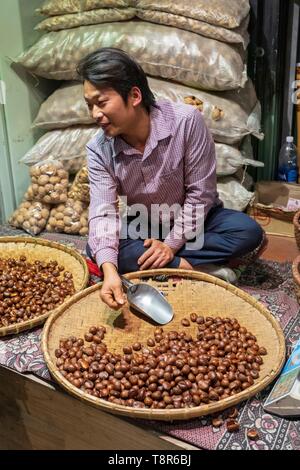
178	166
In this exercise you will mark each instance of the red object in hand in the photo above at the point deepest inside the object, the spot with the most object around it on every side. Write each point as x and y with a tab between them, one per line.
93	268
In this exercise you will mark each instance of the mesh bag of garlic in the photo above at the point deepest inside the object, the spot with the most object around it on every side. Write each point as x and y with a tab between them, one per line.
31	216
160	50
70	218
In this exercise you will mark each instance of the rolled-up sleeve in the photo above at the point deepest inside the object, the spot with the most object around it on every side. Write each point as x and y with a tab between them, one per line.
103	213
199	180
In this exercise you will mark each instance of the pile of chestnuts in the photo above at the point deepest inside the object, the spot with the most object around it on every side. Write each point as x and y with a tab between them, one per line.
172	370
28	290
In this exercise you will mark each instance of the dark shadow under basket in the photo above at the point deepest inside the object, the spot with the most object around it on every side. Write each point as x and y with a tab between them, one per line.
296	222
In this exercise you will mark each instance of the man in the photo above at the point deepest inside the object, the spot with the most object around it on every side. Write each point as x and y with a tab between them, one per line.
153	153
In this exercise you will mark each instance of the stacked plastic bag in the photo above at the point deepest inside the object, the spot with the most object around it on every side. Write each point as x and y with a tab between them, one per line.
194	53
230	116
161	51
48	203
226	23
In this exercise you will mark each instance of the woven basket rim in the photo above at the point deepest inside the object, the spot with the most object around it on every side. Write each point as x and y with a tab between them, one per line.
276	212
29	324
295	269
155	414
265	207
296	220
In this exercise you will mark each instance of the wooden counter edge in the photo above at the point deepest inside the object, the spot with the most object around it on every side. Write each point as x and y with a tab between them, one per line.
37	414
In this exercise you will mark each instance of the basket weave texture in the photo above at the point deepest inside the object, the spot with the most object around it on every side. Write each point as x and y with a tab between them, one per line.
192	292
296	276
296	222
43	250
275	212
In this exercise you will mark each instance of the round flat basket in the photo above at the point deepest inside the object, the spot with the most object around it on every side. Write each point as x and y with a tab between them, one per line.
296	222
43	250
275	212
296	276
187	291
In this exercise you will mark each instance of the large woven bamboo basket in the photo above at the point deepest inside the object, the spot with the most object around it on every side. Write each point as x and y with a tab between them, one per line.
296	222
188	291
43	250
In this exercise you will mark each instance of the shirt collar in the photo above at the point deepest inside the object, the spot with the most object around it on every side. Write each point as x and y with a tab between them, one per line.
160	129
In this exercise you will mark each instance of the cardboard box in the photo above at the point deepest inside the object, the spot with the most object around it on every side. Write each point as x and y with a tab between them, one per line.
272	225
284	399
277	199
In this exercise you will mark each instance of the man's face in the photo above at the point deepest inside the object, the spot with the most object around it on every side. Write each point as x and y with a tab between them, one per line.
108	109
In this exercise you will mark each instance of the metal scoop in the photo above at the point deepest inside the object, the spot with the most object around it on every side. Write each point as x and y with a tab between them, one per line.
149	301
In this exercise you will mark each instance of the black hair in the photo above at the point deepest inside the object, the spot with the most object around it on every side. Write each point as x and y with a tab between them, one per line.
114	68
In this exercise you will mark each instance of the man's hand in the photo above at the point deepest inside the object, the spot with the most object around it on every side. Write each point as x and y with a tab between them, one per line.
157	256
111	292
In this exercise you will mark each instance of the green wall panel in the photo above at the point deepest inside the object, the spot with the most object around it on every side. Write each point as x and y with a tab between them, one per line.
24	94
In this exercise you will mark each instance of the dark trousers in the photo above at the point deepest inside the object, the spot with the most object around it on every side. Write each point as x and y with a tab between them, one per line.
228	234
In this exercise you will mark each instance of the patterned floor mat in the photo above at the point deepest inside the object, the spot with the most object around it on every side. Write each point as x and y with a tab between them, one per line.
269	282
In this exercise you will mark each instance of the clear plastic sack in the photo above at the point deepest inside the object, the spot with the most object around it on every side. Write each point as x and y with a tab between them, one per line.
235	36
233	194
104	15
67	146
29	195
64	108
73	166
61	7
230	116
245	179
70	218
162	51
80	189
228	13
94	4
230	159
49	182
31	216
84	223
